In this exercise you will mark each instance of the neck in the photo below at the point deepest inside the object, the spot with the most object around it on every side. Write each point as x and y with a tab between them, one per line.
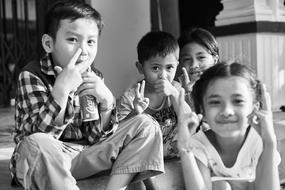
228	144
149	89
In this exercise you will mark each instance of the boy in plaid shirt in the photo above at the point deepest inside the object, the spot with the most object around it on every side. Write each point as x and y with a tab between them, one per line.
48	113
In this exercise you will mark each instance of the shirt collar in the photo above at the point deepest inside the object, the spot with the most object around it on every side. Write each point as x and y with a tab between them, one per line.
47	65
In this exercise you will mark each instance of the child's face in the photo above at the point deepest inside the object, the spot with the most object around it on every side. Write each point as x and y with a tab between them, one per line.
196	59
227	104
82	33
158	67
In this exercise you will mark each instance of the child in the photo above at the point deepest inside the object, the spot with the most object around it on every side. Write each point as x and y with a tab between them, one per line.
48	113
157	60
198	51
239	151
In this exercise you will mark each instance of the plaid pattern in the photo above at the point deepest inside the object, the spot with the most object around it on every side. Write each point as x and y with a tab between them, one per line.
36	110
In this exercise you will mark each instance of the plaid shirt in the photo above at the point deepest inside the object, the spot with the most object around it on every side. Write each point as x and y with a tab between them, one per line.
36	109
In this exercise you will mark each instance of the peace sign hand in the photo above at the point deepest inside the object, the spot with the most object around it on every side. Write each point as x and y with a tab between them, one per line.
188	121
262	119
140	102
69	77
185	80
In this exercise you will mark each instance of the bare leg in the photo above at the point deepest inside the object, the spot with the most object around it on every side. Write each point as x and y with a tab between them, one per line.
221	185
151	184
137	186
119	181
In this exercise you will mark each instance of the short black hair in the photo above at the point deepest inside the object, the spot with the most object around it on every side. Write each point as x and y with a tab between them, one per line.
72	10
156	43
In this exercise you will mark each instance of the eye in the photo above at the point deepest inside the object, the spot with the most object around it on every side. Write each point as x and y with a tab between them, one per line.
72	40
186	60
238	101
202	58
170	67
213	102
155	68
91	42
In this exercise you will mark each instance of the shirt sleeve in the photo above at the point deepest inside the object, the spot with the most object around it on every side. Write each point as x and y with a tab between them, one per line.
125	104
36	108
199	151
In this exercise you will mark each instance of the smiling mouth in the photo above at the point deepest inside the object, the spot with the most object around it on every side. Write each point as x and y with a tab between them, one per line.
81	61
224	122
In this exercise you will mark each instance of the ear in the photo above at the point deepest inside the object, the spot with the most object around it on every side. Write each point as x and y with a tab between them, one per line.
139	67
47	43
257	105
216	58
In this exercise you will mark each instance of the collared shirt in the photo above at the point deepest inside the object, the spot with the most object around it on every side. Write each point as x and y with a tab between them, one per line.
36	109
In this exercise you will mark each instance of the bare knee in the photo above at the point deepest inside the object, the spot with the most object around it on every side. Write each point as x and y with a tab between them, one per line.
221	185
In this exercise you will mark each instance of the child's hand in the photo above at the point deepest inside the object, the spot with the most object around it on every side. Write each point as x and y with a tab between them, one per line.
164	87
188	121
69	77
262	118
140	102
94	85
185	80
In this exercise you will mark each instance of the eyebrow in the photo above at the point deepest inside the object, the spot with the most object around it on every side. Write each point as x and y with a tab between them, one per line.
213	96
202	53
217	96
77	34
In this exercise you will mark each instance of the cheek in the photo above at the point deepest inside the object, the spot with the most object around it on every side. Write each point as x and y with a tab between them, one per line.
93	52
150	76
210	115
171	74
187	67
210	61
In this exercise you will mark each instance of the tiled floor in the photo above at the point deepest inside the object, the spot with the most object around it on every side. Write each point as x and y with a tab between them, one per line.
6	126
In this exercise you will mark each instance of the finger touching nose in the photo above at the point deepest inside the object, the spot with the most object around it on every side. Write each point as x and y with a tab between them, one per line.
162	75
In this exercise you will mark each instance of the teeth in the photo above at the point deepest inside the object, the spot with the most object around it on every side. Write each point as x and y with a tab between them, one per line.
83	58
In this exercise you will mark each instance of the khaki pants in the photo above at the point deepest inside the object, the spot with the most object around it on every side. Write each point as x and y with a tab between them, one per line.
43	162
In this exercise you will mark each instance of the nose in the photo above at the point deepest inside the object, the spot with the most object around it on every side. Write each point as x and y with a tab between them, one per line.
195	63
162	75
84	47
227	110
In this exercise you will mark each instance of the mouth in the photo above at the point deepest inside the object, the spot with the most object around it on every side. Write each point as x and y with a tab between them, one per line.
224	122
81	61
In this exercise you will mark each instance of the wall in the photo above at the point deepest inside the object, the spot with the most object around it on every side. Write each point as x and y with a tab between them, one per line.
126	21
264	53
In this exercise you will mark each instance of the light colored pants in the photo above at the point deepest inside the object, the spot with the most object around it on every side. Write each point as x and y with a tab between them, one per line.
43	162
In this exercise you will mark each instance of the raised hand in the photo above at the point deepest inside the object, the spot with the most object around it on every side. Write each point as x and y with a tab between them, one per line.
94	85
164	87
140	102
262	118
69	77
188	121
185	80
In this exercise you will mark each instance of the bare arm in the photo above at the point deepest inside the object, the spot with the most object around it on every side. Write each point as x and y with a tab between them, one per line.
196	174
267	176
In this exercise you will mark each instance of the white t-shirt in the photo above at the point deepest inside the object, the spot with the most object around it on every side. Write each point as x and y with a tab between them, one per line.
243	170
